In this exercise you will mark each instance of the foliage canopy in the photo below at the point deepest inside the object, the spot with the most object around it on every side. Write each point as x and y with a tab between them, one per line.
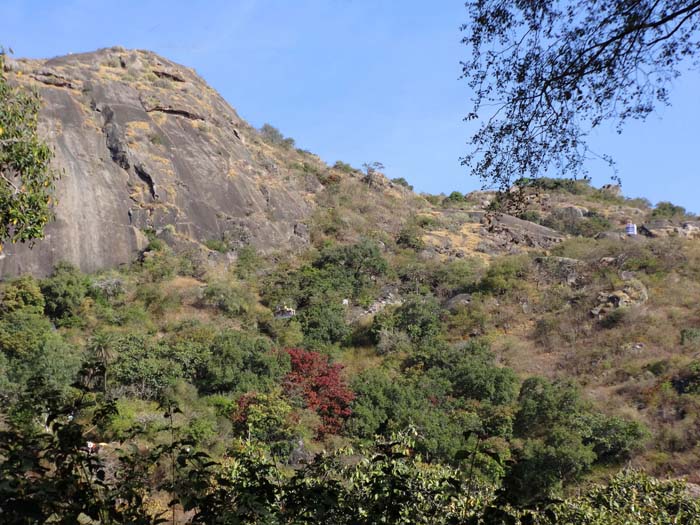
26	178
547	72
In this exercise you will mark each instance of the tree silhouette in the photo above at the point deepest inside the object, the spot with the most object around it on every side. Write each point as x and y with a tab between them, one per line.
545	73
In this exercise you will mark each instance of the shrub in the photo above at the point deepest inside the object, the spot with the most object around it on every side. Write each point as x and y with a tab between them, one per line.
668	210
531	215
543	466
690	336
217	245
239	362
37	367
20	293
385	403
265	418
343	166
273	136
427	222
614	439
157	299
455	197
410	237
419	317
247	262
688	380
615	318
631	498
159	265
362	261
392	341
472	373
323	324
402	182
64	292
505	274
588	226
230	298
544	405
145	369
573	186
319	384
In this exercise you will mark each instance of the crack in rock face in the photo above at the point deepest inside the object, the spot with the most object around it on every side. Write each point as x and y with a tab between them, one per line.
115	140
170	75
145	177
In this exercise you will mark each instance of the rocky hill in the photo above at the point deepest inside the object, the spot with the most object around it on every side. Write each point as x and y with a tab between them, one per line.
145	144
148	148
286	307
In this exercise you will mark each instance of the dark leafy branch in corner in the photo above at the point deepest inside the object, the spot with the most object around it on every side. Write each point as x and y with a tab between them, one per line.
545	73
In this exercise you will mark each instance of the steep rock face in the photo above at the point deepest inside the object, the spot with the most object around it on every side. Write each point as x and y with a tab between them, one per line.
144	143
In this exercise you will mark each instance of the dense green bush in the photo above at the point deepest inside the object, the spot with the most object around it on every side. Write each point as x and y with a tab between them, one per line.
505	274
64	292
231	298
385	404
323	324
472	372
613	439
238	362
23	292
562	439
668	210
418	317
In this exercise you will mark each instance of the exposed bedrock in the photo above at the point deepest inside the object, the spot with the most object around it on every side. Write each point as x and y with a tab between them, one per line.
145	143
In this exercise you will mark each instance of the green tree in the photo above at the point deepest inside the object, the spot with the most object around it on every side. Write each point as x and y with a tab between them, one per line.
23	292
323	324
64	292
26	179
668	210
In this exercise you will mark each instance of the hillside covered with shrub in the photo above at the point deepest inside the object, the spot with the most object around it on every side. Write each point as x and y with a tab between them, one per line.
383	375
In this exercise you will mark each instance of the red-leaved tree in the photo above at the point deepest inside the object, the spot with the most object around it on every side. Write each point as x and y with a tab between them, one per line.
321	386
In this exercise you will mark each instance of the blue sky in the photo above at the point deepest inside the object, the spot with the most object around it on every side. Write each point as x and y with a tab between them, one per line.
351	80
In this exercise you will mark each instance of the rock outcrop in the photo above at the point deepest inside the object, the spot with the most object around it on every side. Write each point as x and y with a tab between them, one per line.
667	228
506	230
632	293
145	144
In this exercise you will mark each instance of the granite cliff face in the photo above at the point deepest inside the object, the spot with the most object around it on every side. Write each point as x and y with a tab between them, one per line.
146	144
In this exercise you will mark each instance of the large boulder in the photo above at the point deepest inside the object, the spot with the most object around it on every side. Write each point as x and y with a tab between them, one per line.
505	231
667	228
570	213
564	270
145	144
631	294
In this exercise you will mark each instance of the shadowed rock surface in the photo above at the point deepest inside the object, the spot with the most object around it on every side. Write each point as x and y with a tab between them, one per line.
145	144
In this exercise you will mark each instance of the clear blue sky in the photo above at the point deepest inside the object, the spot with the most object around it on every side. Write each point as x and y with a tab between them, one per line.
355	80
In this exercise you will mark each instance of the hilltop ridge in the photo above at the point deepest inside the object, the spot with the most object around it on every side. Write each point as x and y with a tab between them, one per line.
147	148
